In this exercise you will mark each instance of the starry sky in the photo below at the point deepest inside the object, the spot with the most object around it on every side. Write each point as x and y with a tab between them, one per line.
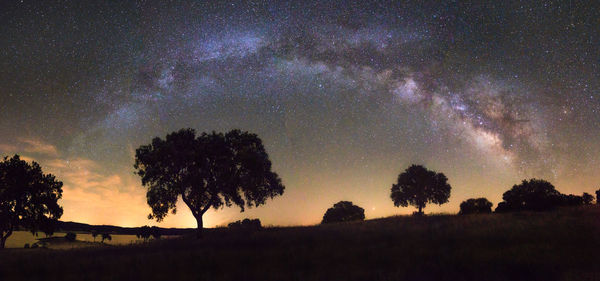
344	94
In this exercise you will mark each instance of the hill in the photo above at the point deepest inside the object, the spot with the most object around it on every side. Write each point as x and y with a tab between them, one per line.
82	227
558	245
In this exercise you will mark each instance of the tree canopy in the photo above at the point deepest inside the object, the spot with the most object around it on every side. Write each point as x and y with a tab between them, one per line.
531	195
208	171
417	186
343	211
475	206
28	198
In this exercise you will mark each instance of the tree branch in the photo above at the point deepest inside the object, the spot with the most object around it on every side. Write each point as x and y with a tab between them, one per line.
206	207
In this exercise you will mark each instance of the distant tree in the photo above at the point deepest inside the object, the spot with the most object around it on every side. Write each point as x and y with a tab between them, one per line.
343	211
70	236
532	195
598	196
570	200
156	233
475	206
144	232
106	236
94	234
418	186
588	199
207	171
28	198
251	224
502	208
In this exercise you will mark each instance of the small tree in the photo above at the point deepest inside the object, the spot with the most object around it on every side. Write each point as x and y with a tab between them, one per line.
475	206
70	236
208	171
588	199
144	232
343	211
418	186
106	236
28	198
155	232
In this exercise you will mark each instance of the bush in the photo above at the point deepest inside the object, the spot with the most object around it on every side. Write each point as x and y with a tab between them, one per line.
106	236
252	224
475	206
70	236
26	246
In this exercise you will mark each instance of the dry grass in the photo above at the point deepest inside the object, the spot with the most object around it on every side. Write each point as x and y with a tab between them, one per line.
560	245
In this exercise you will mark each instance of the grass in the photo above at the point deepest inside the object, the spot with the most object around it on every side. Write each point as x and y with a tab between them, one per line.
559	245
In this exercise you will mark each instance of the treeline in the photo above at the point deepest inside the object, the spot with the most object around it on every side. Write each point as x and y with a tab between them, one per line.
418	186
82	227
539	195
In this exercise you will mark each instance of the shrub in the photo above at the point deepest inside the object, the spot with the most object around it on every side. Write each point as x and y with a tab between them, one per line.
70	236
344	211
251	224
475	206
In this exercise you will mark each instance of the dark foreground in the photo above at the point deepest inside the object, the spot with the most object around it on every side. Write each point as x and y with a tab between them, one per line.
560	245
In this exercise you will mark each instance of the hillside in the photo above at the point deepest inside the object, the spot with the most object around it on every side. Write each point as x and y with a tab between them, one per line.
558	245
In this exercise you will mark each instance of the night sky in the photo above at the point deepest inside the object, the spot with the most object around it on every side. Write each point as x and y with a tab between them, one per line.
345	96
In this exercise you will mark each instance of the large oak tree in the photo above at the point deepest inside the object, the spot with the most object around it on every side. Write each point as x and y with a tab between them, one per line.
28	198
418	186
208	171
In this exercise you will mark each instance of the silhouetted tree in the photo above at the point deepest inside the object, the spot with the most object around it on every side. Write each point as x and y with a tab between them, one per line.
70	236
598	196
144	232
532	195
588	199
155	231
570	200
418	186
475	206
28	198
208	171
343	211
250	224
106	236
502	208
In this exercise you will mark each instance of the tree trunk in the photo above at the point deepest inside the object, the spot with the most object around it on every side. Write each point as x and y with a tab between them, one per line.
200	227
3	238
420	209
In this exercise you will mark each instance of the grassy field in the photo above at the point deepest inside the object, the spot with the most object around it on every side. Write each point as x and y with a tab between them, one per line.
559	245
